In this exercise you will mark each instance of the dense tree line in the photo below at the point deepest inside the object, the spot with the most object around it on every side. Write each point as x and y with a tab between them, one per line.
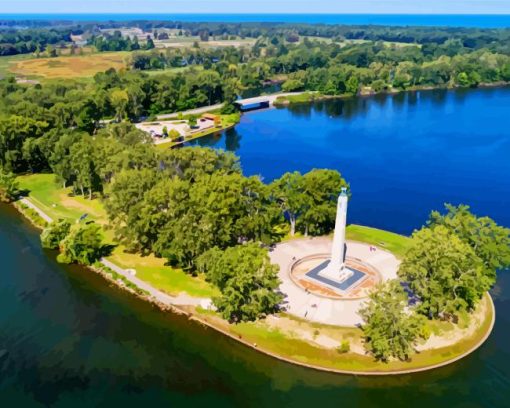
116	42
203	192
196	209
38	123
337	68
471	37
14	42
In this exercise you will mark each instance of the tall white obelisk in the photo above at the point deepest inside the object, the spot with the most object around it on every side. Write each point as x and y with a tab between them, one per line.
338	251
336	268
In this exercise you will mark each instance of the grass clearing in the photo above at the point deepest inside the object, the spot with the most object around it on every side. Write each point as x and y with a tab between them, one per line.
57	202
75	66
305	97
279	343
395	243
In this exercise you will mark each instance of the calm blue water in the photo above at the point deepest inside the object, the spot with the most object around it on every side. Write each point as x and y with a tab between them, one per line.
404	155
68	339
482	21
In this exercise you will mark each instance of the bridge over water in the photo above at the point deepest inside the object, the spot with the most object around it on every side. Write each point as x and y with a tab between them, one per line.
260	102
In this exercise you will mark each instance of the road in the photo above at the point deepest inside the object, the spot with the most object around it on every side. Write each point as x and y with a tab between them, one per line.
198	111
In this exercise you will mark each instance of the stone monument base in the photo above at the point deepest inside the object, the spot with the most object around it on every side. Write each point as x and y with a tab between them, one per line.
336	275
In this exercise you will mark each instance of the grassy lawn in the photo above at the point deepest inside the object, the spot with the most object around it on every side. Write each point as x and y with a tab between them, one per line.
304	97
56	202
285	345
48	197
395	243
75	66
169	280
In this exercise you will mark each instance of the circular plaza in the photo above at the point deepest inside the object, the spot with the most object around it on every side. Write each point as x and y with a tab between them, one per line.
315	296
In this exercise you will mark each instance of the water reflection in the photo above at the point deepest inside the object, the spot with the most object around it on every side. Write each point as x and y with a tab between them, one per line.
232	140
403	154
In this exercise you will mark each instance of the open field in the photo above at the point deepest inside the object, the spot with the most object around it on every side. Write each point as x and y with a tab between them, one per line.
6	63
69	66
183	42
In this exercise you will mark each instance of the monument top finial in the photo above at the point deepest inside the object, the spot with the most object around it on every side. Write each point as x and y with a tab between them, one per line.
343	191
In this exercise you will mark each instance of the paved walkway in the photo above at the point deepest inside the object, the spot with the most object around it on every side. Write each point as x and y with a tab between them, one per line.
329	311
41	213
182	299
197	111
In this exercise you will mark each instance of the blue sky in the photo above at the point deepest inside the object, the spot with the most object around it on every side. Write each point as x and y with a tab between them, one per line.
258	6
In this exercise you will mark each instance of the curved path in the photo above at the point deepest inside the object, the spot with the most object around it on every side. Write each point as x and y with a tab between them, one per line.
182	299
306	305
329	310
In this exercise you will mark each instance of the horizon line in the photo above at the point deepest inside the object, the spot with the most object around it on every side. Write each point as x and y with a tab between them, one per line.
256	14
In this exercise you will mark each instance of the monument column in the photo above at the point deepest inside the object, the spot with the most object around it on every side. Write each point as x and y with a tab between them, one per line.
338	251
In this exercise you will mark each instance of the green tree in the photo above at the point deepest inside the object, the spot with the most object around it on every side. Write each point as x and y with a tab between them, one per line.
390	328
84	167
289	191
119	98
444	272
309	201
219	210
125	197
292	85
463	80
322	188
8	186
193	162
54	234
247	280
83	244
352	85
489	241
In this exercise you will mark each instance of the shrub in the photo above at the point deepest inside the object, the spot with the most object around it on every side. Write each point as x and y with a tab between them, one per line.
83	244
344	347
54	234
8	186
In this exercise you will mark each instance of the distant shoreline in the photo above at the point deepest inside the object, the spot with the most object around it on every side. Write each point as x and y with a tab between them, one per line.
429	20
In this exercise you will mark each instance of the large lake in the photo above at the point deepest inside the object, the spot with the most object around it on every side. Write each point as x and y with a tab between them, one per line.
447	20
68	339
404	155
